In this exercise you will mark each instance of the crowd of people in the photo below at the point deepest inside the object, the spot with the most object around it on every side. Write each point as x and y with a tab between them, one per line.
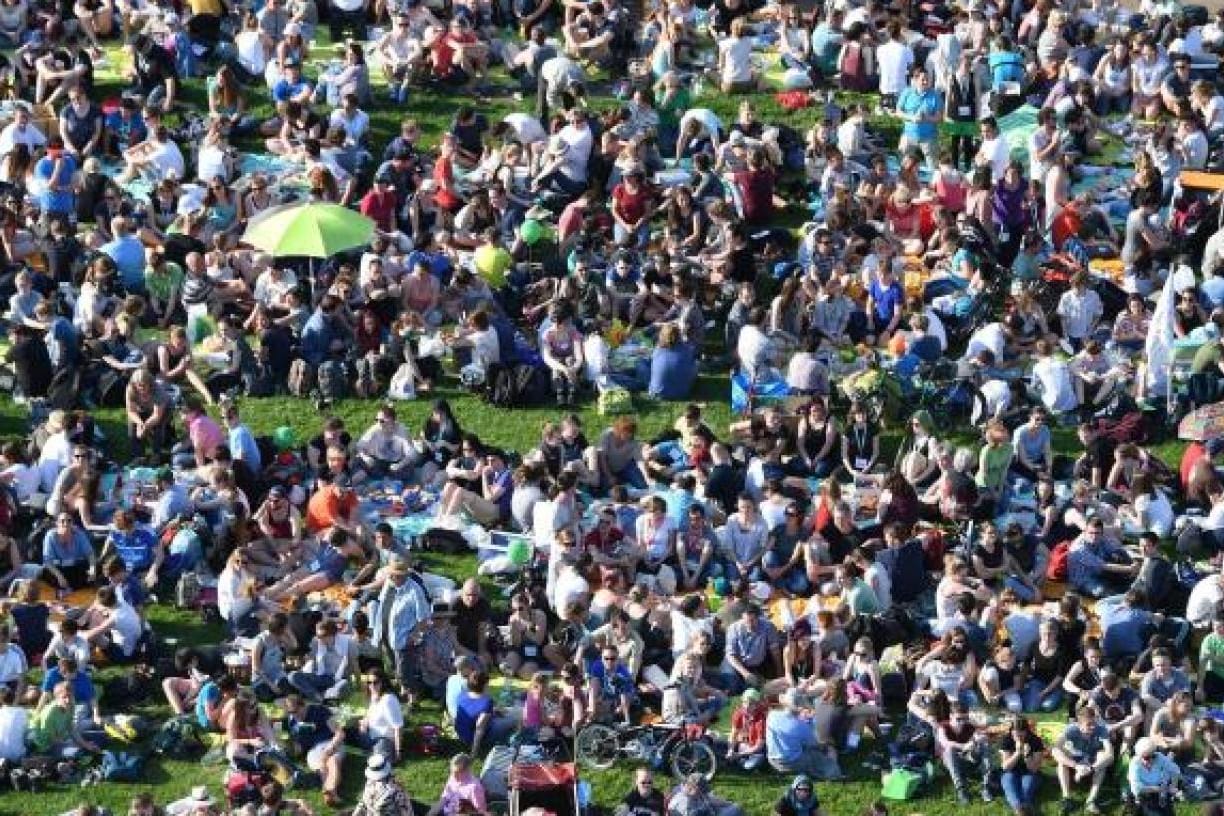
998	195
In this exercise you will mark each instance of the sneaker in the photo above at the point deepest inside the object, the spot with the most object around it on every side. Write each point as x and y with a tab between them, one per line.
1068	806
337	691
987	794
962	796
1092	807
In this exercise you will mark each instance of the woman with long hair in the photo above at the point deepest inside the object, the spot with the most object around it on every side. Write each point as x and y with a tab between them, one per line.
818	439
227	103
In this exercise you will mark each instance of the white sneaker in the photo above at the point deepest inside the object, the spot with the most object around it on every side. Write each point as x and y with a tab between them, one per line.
337	691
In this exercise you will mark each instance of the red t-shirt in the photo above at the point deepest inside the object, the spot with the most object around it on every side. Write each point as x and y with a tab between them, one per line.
380	208
749	723
444	177
444	50
756	188
630	206
1194	452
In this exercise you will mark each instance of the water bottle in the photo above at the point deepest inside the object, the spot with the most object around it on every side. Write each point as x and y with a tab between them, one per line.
698	86
505	695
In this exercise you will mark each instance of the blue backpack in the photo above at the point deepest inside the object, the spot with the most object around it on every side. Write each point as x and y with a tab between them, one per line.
121	767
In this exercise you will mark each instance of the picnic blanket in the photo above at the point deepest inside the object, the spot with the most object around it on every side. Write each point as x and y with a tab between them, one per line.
1017	127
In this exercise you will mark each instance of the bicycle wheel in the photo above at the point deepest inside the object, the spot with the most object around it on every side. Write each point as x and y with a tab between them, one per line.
695	757
596	746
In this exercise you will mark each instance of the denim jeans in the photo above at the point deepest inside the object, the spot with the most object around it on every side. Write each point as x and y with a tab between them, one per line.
794	580
1022	590
312	686
1020	788
1034	701
976	759
632	475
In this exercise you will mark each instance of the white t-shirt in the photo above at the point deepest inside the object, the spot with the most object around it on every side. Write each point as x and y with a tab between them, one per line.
56	454
210	163
1203	599
13	721
988	338
166	158
935	327
384	716
998	153
485	349
737	59
12	664
894	60
251	54
126	628
571	588
527	128
25	480
231	602
753	347
1040	140
997	396
14	135
1158	512
710	122
580	141
685	629
1057	391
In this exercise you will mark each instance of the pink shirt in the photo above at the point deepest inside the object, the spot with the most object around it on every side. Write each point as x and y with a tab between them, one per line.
457	790
206	435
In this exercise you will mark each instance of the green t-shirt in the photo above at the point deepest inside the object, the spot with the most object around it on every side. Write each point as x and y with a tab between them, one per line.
49	727
1208	356
861	598
671	110
161	284
1211	654
996	461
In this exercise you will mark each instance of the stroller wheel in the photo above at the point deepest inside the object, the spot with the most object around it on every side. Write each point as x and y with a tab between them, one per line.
695	757
596	746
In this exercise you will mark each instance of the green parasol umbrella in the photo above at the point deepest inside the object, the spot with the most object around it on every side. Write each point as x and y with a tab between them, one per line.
309	230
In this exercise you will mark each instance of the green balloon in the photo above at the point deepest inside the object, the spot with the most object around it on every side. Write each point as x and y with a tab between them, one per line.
284	438
519	552
533	231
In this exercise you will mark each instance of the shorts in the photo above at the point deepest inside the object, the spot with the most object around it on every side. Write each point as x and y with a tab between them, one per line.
317	755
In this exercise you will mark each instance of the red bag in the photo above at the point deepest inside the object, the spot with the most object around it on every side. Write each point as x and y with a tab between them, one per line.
1056	570
794	100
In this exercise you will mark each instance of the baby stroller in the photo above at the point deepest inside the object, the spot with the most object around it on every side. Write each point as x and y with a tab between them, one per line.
545	780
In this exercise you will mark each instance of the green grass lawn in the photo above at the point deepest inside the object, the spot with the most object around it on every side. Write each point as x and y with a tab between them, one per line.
424	776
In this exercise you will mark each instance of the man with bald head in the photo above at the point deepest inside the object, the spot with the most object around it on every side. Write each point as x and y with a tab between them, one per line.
473	621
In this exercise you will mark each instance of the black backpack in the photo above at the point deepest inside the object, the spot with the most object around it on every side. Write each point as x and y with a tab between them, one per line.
332	381
65	388
519	386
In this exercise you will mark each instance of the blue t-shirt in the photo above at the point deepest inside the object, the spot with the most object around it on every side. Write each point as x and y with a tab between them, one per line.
504	480
127	130
129	257
787	736
82	687
136	548
672	372
467	712
284	90
208	697
1124	630
912	101
62	200
887	300
243	446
